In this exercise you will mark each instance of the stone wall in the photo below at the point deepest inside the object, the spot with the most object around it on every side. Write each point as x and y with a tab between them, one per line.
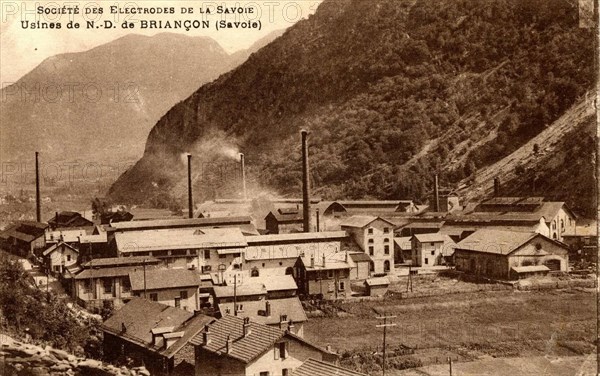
21	359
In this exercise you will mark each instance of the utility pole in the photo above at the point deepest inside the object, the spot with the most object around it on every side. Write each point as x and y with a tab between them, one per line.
144	265
235	294
450	365
385	326
409	284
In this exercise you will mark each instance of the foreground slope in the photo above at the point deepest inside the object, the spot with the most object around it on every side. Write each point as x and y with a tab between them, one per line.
391	90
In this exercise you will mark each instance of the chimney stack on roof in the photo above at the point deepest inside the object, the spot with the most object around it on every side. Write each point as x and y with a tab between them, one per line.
312	261
229	344
268	308
323	260
206	337
305	182
246	327
290	326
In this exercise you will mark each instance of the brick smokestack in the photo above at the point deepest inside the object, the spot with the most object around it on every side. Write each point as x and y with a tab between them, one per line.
190	194
243	171
38	199
436	193
305	182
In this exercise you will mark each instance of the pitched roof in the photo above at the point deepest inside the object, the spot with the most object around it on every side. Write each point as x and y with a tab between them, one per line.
313	367
121	261
377	281
275	282
286	215
241	290
140	317
159	240
113	271
296	237
180	222
584	228
430	238
290	307
361	221
26	231
404	242
360	257
157	279
333	261
495	241
261	338
55	247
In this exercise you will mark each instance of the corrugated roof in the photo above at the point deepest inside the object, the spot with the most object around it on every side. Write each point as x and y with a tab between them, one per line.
312	367
255	310
495	241
157	279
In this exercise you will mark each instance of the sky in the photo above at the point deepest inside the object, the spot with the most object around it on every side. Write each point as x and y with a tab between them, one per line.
21	49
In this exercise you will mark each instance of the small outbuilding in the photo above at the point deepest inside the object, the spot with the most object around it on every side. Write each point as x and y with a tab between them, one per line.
377	286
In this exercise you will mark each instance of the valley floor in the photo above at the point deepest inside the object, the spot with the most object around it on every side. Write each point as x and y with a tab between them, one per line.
471	326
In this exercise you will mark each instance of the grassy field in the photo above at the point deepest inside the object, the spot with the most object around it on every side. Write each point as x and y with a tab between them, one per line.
468	326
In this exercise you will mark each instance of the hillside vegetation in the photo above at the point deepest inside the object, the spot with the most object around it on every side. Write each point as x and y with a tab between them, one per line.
391	90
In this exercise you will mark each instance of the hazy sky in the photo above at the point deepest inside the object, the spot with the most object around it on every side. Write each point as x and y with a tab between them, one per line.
21	50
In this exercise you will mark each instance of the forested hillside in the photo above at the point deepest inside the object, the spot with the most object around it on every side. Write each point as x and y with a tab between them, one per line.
391	90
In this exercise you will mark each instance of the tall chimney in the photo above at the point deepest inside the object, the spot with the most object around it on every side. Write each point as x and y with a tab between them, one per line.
243	168
496	186
206	337
190	195
305	182
268	309
38	199
436	193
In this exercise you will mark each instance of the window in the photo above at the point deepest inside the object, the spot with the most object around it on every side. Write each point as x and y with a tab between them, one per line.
177	302
183	294
370	241
386	240
371	251
281	350
206	268
285	372
154	297
330	274
370	231
87	285
386	230
264	373
254	272
386	266
426	261
68	258
342	286
126	284
240	308
386	249
207	254
222	256
432	244
433	253
107	282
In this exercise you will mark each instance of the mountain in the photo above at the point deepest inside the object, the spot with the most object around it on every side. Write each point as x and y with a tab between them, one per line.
100	104
392	92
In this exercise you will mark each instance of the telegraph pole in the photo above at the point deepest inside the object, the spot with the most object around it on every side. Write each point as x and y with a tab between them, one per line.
144	264
384	326
235	294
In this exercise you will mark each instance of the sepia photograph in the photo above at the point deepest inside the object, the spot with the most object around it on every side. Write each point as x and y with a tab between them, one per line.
299	188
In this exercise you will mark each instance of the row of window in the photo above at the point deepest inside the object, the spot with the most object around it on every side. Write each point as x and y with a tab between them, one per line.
386	250
386	230
385	240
